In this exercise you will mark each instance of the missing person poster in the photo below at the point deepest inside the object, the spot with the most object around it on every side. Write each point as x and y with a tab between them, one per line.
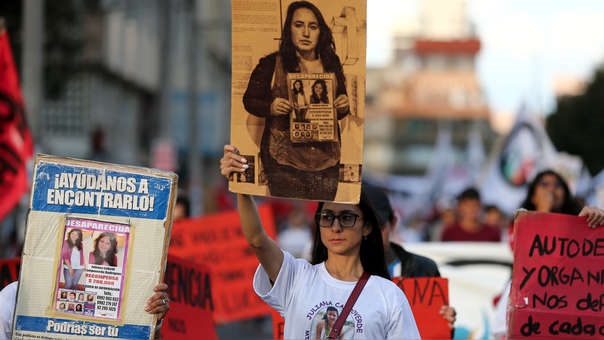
96	245
557	287
297	97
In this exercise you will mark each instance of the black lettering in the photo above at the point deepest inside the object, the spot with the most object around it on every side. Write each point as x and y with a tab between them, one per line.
530	327
550	301
527	275
419	292
541	247
177	325
577	328
437	292
590	303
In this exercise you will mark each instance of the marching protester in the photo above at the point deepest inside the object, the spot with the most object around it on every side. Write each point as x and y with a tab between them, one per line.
158	303
401	262
468	226
347	253
547	192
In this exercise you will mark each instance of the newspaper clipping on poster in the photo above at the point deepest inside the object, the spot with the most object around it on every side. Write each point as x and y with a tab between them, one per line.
96	245
298	97
313	118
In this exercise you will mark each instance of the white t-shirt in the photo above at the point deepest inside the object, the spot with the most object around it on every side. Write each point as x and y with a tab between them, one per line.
500	325
8	299
303	292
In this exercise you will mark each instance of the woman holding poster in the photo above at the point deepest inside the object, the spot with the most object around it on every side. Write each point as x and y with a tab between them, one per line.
307	169
105	250
73	259
347	248
547	192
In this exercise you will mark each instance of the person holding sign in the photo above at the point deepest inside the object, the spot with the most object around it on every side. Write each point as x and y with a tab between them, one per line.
547	192
347	250
158	303
307	170
105	250
73	259
401	262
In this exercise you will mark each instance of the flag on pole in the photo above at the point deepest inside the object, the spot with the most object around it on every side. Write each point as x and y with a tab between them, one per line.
16	145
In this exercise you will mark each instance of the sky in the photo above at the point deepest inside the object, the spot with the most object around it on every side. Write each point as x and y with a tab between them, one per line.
526	45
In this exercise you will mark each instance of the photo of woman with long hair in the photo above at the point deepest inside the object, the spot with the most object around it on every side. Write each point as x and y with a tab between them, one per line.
72	257
319	92
300	103
326	324
105	250
307	170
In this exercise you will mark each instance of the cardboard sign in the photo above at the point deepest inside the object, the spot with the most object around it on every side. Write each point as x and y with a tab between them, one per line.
426	296
191	304
9	271
96	245
558	278
218	242
312	146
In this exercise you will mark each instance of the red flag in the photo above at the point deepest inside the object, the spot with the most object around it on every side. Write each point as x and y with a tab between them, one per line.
16	145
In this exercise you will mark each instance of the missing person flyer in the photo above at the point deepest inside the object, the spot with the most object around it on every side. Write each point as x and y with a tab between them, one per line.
96	245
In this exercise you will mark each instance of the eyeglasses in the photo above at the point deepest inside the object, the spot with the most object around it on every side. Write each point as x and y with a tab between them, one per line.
346	219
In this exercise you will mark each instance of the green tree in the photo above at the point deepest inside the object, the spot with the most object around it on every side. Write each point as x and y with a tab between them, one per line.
577	124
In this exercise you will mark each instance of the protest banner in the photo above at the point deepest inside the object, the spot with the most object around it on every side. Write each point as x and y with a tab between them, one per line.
9	271
217	241
191	305
299	124
96	245
426	296
558	278
16	143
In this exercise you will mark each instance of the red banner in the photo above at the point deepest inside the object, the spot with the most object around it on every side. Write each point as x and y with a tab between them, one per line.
16	145
191	305
426	296
217	240
9	271
557	279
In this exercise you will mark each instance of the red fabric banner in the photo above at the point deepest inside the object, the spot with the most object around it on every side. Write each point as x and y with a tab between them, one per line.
557	280
191	304
217	241
9	271
16	145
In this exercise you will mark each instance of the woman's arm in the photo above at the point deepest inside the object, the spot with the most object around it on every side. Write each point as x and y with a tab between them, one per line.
267	251
257	98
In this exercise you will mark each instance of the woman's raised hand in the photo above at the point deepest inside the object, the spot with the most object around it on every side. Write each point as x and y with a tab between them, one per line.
231	161
280	106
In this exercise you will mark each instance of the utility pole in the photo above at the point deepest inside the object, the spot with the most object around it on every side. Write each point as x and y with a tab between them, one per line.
31	79
194	161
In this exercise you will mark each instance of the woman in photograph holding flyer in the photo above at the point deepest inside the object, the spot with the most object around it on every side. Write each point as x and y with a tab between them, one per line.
105	250
307	170
73	259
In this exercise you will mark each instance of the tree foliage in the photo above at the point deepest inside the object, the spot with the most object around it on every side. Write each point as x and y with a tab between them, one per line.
577	124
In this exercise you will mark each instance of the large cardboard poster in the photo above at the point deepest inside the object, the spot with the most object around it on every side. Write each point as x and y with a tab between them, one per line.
96	245
558	279
297	103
